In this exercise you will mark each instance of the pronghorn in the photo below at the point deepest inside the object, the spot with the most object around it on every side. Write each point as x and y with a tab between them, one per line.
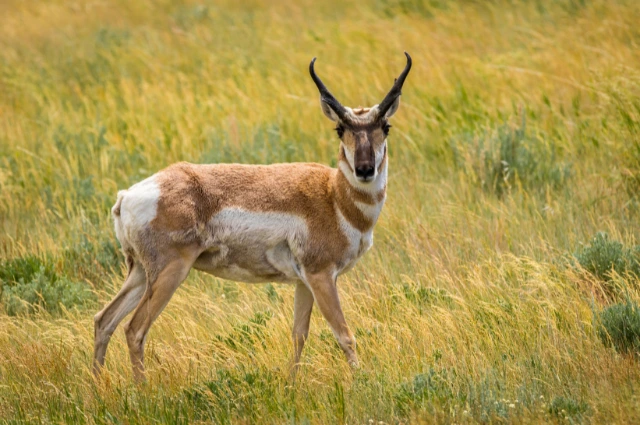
301	223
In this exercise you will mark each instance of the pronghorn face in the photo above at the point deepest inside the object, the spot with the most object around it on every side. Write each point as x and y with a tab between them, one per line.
362	131
363	144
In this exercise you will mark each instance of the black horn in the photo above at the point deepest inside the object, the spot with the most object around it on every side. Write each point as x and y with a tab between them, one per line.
396	90
325	94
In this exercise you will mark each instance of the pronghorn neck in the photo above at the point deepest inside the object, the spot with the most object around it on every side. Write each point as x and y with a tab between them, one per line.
360	203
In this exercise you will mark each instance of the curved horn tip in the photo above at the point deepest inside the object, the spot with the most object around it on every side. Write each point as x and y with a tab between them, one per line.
408	57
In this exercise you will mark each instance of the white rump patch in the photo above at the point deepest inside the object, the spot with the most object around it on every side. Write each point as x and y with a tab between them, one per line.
138	208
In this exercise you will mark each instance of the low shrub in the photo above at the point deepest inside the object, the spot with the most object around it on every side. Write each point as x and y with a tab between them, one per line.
24	268
603	254
620	327
29	284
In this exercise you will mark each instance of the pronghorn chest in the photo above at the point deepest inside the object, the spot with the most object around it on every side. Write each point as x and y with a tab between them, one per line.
358	242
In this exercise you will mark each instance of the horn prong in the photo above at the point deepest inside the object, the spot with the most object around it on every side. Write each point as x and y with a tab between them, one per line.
396	90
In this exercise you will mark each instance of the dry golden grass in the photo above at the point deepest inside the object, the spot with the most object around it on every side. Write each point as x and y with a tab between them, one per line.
466	310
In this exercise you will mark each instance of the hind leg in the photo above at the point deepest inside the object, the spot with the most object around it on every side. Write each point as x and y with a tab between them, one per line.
106	321
153	302
302	306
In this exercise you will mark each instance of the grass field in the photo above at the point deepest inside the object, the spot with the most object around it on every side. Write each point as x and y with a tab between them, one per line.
504	258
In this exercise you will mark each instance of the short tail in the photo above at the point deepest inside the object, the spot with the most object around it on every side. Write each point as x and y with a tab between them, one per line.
117	221
116	208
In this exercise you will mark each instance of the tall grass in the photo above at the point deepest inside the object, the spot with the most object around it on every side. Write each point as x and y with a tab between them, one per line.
515	144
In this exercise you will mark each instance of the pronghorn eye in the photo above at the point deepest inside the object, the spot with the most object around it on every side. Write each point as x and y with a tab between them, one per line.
385	128
340	131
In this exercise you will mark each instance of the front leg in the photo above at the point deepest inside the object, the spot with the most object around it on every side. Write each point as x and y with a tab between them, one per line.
324	289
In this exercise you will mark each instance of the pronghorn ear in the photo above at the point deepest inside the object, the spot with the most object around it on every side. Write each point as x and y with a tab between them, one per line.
393	108
330	113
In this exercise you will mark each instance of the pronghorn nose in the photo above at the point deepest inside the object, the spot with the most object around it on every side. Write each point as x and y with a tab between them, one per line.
365	171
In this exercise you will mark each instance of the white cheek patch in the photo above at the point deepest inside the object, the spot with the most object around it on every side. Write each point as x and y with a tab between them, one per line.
350	156
348	173
380	154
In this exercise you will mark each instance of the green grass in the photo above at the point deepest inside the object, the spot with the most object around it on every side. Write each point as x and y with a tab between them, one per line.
503	283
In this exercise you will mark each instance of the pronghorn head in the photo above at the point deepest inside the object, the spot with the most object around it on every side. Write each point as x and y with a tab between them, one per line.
362	131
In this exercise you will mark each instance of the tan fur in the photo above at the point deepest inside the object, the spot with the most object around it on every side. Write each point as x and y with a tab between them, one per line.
360	110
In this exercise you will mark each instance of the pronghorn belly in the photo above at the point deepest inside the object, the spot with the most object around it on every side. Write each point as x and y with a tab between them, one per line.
254	247
250	264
